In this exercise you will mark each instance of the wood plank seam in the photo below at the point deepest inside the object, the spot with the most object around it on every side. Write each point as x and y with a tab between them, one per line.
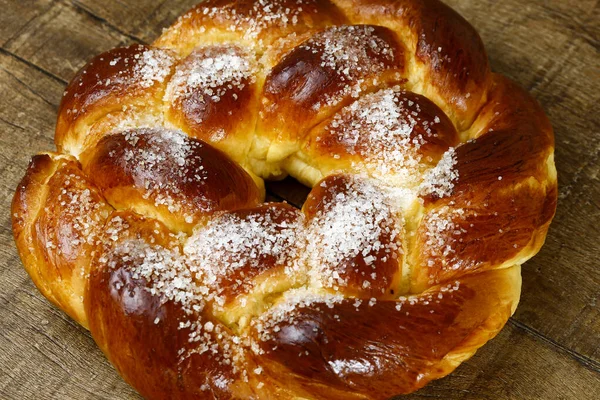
28	88
11	124
32	65
80	8
575	26
580	358
26	25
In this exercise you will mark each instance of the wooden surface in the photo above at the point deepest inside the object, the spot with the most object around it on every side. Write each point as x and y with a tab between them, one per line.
550	349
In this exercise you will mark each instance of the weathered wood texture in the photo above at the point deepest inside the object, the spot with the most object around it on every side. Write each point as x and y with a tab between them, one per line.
549	350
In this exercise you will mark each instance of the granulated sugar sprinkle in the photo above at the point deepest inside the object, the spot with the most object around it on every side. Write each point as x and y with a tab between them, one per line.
348	52
440	180
81	209
213	72
165	152
353	225
230	242
152	66
149	66
261	15
172	278
380	128
442	234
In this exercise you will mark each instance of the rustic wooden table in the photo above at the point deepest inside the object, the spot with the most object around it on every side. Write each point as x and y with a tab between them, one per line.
550	349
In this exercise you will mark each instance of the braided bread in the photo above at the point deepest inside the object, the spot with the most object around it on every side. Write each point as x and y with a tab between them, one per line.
433	181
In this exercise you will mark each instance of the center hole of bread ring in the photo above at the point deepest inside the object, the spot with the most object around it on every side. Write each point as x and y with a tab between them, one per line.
289	190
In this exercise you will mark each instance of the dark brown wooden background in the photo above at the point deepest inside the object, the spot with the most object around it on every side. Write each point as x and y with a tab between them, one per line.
550	349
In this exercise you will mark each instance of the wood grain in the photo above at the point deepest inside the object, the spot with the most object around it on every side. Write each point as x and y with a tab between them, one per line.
551	347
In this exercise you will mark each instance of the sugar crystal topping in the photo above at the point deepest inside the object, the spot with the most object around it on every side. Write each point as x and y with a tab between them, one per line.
171	277
353	225
380	128
145	68
263	14
440	180
348	52
212	72
351	366
82	209
442	235
153	66
166	272
165	152
228	243
149	66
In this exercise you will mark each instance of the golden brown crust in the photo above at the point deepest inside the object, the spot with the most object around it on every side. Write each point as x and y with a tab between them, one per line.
57	218
218	105
372	272
391	132
439	136
113	82
250	23
316	78
149	359
433	181
26	204
167	175
450	65
409	341
252	264
511	156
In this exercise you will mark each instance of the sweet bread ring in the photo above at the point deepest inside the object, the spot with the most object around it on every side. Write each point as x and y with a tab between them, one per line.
433	182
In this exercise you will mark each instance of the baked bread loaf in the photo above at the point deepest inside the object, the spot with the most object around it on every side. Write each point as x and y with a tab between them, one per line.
433	181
